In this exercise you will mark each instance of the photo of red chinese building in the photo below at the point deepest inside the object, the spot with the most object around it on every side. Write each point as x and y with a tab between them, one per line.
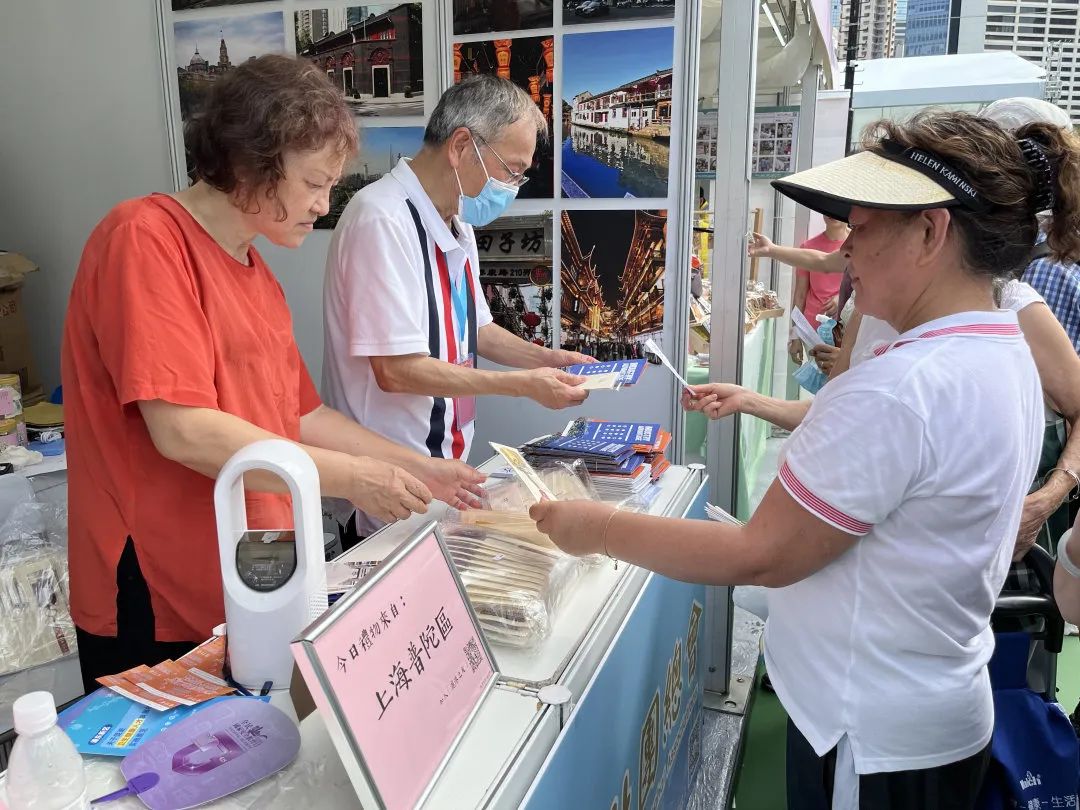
375	54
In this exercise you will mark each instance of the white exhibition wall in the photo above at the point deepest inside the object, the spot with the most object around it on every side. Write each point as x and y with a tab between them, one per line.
78	134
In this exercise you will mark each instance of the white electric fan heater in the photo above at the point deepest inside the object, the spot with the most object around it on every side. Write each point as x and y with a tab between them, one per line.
274	580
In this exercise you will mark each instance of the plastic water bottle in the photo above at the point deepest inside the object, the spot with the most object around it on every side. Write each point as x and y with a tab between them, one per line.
45	771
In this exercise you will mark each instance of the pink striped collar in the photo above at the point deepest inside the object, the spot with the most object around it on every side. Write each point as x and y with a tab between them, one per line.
977	329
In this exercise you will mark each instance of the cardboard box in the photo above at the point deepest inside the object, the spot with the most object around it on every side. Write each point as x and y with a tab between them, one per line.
15	354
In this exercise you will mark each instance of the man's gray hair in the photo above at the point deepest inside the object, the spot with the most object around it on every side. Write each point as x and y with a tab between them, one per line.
485	105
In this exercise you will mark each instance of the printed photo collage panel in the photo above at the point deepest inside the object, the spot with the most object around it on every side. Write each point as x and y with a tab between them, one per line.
374	53
612	122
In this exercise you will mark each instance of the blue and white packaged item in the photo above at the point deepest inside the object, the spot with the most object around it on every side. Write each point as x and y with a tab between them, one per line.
809	375
107	724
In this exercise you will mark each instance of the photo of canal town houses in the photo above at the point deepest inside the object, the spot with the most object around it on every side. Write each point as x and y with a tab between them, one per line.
380	150
207	49
617	93
529	62
612	281
516	275
485	16
375	54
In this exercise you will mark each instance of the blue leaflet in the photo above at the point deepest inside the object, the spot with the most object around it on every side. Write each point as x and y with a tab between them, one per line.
629	371
621	432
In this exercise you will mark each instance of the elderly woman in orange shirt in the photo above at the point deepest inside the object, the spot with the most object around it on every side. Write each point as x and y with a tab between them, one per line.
178	351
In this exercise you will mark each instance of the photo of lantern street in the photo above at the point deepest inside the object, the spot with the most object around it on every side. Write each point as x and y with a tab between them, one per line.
612	281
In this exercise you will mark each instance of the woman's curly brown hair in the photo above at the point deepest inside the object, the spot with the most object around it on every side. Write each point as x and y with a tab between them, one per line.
998	241
257	112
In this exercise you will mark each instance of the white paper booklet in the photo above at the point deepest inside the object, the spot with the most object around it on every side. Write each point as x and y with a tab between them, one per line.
601	382
803	330
720	515
524	471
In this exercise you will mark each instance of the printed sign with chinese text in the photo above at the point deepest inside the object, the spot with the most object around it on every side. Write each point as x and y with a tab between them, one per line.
406	666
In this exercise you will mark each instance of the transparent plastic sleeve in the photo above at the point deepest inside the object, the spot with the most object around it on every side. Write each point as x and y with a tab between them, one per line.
37	627
570	480
515	577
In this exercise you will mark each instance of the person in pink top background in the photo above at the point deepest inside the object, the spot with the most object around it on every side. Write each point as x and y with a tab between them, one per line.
815	293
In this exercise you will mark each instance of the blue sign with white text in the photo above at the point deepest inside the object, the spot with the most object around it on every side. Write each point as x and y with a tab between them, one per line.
634	740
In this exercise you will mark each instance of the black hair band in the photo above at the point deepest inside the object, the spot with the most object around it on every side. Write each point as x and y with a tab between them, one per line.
932	166
1043	169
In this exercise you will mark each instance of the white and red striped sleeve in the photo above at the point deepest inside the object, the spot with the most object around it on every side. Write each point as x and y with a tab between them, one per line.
856	458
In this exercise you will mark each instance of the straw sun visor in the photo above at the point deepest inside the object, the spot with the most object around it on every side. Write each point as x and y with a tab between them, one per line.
867	180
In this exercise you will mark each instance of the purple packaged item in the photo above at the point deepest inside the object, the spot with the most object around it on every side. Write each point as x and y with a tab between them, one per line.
219	751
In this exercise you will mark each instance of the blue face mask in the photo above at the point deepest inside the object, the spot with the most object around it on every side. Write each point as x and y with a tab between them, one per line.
487	206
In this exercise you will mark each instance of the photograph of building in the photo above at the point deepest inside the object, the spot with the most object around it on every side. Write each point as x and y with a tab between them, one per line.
576	12
612	281
618	85
184	5
485	16
380	150
207	49
529	62
516	275
375	54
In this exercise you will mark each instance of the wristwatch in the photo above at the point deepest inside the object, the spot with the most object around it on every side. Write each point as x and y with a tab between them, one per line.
1063	556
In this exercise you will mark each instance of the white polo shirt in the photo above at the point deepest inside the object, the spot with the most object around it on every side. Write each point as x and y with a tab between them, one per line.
874	332
889	643
390	274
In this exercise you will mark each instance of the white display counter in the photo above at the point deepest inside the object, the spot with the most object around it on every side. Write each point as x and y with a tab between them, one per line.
497	761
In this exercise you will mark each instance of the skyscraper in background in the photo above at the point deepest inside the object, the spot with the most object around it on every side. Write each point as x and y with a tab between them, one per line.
900	39
928	25
1045	32
313	24
877	28
356	14
336	20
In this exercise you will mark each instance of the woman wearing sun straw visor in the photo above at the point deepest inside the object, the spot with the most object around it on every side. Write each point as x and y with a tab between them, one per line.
886	552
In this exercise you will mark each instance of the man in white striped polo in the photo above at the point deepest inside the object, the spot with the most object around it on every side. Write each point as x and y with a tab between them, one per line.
406	317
